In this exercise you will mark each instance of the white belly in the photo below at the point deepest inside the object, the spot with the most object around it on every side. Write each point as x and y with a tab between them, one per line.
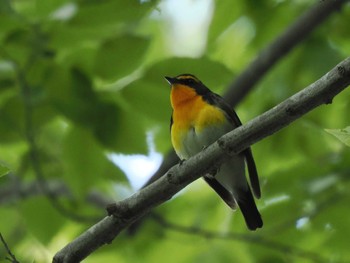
231	174
195	141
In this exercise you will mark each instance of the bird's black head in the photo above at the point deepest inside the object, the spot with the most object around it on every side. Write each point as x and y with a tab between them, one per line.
190	81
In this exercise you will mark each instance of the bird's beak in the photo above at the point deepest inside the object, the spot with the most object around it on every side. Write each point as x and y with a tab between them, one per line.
170	80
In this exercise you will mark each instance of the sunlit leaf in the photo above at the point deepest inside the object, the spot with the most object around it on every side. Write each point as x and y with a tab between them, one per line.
342	135
72	94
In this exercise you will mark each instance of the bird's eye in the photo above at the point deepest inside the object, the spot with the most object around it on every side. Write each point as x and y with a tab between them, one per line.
191	81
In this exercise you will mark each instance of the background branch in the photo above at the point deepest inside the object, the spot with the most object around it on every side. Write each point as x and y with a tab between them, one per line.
17	189
12	257
179	176
246	238
279	48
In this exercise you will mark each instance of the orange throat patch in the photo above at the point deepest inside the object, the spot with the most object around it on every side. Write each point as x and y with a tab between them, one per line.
190	111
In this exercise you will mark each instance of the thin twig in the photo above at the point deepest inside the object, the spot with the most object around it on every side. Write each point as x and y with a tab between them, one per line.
16	191
247	238
11	257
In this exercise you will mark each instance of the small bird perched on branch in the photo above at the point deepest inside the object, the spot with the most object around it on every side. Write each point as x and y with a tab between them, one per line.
199	118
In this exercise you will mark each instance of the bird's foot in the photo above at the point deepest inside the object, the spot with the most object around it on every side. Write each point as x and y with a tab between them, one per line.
213	171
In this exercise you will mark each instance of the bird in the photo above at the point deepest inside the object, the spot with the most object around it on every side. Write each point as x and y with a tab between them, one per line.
199	118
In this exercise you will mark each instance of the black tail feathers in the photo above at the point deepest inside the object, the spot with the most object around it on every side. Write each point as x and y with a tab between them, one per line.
249	210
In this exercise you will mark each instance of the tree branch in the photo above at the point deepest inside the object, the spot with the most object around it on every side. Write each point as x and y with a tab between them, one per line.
128	210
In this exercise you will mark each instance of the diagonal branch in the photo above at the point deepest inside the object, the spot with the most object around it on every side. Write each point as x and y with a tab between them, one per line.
130	209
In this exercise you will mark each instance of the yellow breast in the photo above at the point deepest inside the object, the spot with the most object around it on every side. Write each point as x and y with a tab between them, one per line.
191	116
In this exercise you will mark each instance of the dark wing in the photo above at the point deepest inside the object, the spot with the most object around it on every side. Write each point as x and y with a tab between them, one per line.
221	191
232	115
253	173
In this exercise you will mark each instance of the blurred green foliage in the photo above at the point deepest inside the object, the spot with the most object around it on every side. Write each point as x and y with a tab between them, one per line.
79	79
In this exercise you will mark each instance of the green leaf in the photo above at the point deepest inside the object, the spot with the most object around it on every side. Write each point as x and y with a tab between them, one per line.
101	14
43	227
82	58
3	170
225	13
150	98
18	43
342	135
71	92
131	137
315	49
8	81
12	119
337	35
73	95
85	162
120	56
8	24
13	114
5	7
106	124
